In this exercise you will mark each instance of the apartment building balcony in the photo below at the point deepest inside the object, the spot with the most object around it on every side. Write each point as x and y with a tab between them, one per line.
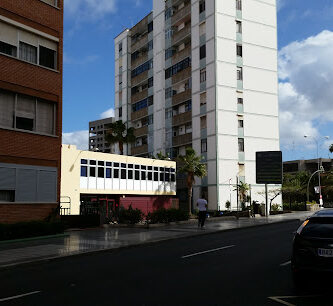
177	37
142	131
182	97
182	118
179	56
139	114
183	75
139	96
139	78
181	140
140	28
139	150
181	14
141	42
140	60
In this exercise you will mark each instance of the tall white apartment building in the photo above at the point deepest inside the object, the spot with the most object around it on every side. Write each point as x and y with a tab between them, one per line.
203	73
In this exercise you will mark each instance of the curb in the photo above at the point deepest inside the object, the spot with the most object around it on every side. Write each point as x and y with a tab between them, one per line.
2	242
148	243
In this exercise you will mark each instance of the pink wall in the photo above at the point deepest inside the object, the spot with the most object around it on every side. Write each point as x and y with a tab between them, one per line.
149	204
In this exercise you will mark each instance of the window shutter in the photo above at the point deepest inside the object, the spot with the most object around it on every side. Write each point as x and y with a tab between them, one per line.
45	117
47	186
7	103
26	107
26	185
8	34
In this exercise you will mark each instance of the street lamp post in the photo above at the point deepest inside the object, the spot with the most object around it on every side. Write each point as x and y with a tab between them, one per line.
318	160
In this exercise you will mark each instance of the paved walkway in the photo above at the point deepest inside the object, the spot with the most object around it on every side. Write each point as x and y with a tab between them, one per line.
92	240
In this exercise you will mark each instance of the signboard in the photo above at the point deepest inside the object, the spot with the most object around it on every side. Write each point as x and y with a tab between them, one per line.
269	167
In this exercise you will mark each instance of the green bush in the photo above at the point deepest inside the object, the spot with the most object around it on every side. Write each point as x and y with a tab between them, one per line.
294	206
130	215
163	215
30	229
275	207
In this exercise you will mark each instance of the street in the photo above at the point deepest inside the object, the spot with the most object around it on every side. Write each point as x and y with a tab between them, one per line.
240	267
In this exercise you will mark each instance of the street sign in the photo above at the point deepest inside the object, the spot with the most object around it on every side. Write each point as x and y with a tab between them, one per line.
269	167
317	189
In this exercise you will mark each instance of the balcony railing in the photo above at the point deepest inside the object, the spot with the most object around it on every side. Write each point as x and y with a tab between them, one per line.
139	114
139	78
139	96
183	75
139	150
179	56
182	97
182	118
141	131
185	11
140	60
141	42
182	139
181	34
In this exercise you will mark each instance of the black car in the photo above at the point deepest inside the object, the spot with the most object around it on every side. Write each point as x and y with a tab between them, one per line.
313	246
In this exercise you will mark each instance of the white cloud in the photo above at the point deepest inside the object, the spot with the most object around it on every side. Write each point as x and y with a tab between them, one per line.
92	9
280	4
107	114
305	71
78	138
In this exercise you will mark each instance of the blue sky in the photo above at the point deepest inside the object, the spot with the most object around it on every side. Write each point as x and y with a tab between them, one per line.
305	68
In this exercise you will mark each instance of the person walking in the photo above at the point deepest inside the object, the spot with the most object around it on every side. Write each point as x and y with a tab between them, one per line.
202	206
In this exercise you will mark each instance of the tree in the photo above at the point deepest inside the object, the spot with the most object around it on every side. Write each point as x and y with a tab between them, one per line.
243	188
161	156
192	166
331	148
120	134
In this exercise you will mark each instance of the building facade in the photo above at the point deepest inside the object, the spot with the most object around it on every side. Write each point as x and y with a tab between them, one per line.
88	177
309	165
203	74
97	132
31	50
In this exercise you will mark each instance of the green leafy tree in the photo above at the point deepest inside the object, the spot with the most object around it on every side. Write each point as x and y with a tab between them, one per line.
120	134
243	189
161	156
192	166
331	148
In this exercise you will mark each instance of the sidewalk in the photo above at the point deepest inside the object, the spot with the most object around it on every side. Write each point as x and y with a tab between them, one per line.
94	240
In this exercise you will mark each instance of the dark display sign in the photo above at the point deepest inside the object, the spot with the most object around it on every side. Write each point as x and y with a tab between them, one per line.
269	167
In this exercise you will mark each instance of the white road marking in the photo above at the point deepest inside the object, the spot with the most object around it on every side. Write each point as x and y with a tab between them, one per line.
208	251
286	263
18	296
278	299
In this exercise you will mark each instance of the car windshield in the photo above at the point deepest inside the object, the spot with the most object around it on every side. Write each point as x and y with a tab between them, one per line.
319	228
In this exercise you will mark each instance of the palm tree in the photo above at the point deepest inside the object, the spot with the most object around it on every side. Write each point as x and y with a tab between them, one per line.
192	166
243	188
161	156
331	148
120	134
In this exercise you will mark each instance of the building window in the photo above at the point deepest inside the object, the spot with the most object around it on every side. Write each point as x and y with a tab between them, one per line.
142	68
203	145
120	112
239	5
150	82
177	68
202	6
168	113
238	26
202	29
84	171
240	101
188	105
241	123
169	53
203	122
241	144
150	119
150	26
168	13
202	51
130	174
150	45
239	50
116	173
203	75
92	171
123	174
108	172
239	73
203	99
7	195
120	47
169	33
100	172
47	57
8	49
28	53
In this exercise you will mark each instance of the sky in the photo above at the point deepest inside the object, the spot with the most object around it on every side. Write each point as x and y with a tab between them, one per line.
305	42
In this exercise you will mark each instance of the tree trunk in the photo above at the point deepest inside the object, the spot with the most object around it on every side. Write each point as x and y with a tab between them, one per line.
190	200
121	148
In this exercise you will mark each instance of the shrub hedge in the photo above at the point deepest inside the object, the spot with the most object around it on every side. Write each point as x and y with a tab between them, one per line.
294	206
29	229
163	215
130	215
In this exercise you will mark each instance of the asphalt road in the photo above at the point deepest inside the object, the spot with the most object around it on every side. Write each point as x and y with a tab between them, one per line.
240	267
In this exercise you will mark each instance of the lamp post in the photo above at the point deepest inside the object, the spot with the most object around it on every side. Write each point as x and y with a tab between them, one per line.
318	160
